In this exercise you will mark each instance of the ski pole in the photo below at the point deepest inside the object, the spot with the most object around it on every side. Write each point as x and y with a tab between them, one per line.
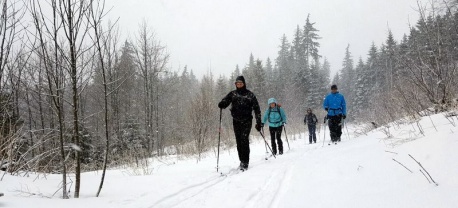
319	136
267	144
348	134
284	127
324	136
267	151
219	136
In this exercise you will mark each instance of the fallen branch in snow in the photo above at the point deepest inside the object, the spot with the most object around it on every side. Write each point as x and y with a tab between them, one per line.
391	152
402	165
424	170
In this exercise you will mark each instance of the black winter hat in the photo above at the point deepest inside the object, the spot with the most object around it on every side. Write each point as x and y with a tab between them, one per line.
240	78
334	87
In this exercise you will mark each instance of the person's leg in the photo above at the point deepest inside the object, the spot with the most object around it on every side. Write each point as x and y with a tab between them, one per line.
331	133
279	141
242	132
310	134
272	140
314	133
333	125
339	129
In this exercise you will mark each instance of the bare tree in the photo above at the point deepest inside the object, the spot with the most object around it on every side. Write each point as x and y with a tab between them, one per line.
203	115
151	58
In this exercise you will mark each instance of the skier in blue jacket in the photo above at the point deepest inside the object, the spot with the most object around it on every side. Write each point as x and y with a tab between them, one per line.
335	105
277	118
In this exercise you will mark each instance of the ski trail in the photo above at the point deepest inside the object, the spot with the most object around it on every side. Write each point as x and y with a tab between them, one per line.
186	193
276	184
283	186
189	192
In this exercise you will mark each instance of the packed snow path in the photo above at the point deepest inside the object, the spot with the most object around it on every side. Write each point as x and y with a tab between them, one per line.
358	172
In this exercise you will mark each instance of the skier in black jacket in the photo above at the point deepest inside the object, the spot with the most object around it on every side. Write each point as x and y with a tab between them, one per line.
310	120
243	103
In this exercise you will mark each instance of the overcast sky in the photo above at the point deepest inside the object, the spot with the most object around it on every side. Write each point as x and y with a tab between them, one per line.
217	35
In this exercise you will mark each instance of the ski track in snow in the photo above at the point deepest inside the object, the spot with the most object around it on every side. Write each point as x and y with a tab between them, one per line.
181	196
184	194
258	198
278	182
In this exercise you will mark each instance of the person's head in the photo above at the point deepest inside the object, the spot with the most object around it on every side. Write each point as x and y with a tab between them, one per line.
309	110
240	82
272	102
334	88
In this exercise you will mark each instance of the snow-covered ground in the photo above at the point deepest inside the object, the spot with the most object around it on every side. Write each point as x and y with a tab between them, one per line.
358	172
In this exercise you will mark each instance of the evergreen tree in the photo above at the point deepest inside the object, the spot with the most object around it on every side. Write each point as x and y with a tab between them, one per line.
348	78
310	41
258	83
361	88
282	71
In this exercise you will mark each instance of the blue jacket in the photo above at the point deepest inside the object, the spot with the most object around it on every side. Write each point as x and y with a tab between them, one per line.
276	115
335	103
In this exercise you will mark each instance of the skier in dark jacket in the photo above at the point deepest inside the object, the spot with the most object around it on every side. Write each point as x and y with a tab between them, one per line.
276	117
335	105
310	120
243	103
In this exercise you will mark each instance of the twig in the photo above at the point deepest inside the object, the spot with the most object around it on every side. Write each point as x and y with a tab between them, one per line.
391	152
432	122
452	121
402	165
420	128
425	170
425	176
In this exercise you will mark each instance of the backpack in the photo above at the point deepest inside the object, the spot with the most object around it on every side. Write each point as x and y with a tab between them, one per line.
279	112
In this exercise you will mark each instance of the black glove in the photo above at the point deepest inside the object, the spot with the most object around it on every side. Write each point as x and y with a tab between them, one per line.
258	126
344	116
221	105
326	109
262	125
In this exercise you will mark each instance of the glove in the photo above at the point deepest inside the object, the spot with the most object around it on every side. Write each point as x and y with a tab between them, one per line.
258	126
221	105
344	116
262	125
326	109
283	124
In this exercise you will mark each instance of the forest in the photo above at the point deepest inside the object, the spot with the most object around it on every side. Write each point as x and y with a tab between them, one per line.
75	97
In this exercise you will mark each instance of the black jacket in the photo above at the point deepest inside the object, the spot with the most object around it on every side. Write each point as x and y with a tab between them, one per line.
243	102
310	119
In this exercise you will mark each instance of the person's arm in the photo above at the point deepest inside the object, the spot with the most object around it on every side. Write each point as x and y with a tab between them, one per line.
264	118
257	110
226	101
344	106
305	119
283	116
325	103
316	119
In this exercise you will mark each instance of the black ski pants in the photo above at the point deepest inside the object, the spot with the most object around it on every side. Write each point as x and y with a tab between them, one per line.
242	130
312	134
275	137
335	127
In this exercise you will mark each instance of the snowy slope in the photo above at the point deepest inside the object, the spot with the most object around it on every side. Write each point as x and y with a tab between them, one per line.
358	172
